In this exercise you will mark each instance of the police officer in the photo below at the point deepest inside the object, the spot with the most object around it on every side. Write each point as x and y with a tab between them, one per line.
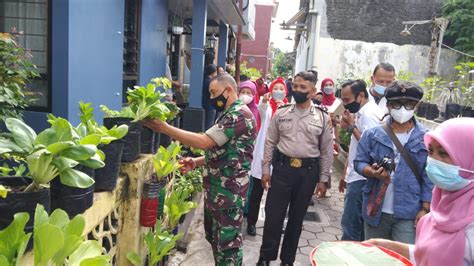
299	146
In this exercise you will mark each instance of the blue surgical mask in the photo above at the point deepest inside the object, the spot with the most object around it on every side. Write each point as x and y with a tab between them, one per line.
379	89
278	95
446	176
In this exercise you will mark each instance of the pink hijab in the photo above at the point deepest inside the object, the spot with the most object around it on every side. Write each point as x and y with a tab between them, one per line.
442	231
252	105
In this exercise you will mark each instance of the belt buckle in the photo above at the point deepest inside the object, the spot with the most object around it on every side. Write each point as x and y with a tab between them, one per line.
296	163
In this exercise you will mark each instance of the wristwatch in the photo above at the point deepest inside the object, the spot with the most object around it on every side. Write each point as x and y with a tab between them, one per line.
350	128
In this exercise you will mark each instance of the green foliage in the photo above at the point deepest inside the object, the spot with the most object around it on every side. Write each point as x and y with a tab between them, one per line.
159	243
251	72
54	152
282	66
89	126
165	160
178	202
16	70
144	102
404	75
461	23
13	240
56	238
345	139
3	191
192	179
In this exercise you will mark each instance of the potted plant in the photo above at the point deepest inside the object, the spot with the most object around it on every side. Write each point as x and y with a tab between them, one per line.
432	87
176	20
110	145
15	72
57	240
55	152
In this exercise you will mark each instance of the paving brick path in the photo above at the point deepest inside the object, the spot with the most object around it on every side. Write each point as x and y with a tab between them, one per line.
328	228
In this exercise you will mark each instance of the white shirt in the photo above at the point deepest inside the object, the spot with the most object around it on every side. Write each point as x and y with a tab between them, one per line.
265	117
387	206
368	116
382	104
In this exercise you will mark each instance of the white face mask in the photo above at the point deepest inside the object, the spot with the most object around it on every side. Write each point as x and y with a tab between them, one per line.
246	98
402	115
328	90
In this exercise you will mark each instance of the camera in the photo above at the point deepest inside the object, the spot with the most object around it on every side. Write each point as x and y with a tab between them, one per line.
387	163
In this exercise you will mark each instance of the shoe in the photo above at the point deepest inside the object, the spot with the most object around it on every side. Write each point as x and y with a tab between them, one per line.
262	262
251	230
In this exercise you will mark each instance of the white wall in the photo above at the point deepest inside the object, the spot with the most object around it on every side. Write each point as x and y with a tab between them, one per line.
335	58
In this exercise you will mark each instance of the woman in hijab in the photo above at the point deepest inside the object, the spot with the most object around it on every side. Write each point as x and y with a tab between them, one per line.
445	236
275	98
327	88
247	94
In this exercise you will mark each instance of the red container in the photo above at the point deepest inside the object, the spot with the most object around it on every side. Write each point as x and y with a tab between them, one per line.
149	204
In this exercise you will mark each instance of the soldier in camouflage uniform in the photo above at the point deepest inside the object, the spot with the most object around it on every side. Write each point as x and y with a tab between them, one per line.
229	145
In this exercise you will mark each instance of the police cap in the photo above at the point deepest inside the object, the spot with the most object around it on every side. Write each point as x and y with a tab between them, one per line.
402	90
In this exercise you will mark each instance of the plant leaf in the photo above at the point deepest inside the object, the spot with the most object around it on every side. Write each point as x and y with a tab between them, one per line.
134	258
12	238
48	240
88	249
23	135
74	178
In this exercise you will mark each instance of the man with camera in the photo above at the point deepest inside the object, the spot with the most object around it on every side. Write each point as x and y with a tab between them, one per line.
395	198
360	114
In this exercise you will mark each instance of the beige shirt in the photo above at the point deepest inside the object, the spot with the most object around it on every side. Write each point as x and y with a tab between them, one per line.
296	133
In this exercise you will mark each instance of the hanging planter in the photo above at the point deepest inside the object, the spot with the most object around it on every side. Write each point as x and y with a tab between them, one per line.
72	200
149	203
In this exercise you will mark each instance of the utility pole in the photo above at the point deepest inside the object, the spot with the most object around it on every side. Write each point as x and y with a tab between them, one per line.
238	49
439	26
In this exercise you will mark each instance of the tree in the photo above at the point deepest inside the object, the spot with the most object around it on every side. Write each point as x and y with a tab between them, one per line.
282	66
461	24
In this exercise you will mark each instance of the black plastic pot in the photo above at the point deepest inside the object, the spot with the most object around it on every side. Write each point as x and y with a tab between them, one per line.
432	111
71	199
21	202
157	141
452	110
147	141
421	112
165	140
131	141
467	111
106	177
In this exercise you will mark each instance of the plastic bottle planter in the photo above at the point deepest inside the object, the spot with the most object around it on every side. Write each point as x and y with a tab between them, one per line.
106	177
161	197
17	201
71	199
149	203
147	141
131	141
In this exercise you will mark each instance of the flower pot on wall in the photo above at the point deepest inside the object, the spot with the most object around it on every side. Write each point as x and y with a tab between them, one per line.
421	112
17	201
432	111
106	177
71	199
131	141
452	110
147	141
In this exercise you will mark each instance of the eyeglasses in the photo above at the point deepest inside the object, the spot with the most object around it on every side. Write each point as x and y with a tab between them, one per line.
409	105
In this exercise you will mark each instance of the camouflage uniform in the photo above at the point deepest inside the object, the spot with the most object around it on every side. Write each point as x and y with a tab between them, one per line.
225	181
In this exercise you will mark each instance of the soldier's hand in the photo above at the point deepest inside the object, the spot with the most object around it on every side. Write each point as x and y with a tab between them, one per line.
188	164
266	181
342	185
154	124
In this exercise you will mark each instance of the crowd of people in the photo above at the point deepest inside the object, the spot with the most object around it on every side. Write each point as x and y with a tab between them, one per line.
406	189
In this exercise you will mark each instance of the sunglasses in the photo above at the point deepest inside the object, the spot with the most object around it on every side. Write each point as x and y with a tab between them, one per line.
409	105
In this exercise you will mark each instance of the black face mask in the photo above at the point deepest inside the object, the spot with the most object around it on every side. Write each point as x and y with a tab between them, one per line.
219	102
353	107
300	97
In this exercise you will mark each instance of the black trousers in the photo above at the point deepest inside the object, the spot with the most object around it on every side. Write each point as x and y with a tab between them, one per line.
254	201
293	187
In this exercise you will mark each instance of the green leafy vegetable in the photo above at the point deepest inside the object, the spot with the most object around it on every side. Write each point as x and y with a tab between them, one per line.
13	240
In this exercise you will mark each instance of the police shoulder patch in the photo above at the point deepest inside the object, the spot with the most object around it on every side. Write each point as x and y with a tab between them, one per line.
284	106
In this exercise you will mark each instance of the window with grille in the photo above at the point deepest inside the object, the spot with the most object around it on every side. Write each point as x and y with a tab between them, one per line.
30	19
